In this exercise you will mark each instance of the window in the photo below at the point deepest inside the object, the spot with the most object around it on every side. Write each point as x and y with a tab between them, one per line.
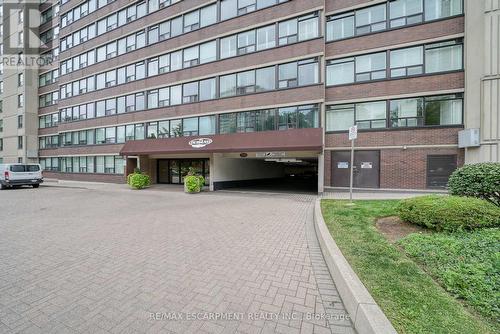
371	19
20	142
190	92
191	21
228	47
265	79
152	67
176	128
207	125
176	95
246	42
227	123
190	126
208	15
245	82
371	115
287	75
445	56
436	9
208	52
20	121
266	37
308	27
20	100
152	130
308	72
20	79
443	110
339	72
371	67
228	9
163	129
405	12
339	27
288	32
407	113
191	56
152	99
227	85
406	62
207	89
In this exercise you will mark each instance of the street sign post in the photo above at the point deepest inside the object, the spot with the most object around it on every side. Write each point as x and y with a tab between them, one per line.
353	135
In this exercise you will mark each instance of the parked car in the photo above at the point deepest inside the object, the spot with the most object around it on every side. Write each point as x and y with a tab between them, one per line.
12	175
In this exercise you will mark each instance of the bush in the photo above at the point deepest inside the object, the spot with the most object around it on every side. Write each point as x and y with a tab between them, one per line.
477	180
449	213
138	180
193	183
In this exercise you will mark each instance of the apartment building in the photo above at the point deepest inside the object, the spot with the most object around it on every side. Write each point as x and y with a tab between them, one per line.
251	91
18	92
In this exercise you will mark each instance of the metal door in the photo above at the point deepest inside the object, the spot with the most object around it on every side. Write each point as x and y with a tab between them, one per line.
366	169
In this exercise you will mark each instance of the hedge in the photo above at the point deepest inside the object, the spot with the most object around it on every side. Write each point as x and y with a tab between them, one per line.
194	183
449	213
477	180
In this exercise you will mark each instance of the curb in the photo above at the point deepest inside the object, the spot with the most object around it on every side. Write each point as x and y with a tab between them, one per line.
365	314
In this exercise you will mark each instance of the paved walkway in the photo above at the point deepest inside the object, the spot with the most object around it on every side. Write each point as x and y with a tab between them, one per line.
111	260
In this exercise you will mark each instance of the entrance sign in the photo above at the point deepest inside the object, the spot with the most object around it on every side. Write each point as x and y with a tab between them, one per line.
200	142
366	165
270	154
353	132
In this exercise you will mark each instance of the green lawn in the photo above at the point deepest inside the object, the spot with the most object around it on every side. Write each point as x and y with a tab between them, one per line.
410	298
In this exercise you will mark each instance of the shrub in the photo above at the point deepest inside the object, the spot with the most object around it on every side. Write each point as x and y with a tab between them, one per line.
477	180
449	213
138	180
192	184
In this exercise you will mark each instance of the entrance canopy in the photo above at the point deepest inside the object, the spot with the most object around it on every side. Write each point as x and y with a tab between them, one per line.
287	140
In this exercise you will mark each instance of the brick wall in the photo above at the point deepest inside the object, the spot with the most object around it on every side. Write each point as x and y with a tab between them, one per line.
401	169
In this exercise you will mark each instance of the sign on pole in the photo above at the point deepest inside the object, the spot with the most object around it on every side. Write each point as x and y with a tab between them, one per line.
353	132
353	135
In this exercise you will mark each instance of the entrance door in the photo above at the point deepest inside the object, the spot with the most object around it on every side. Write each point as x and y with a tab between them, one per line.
366	169
439	169
163	171
174	170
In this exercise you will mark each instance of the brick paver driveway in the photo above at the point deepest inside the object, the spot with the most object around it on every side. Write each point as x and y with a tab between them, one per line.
110	260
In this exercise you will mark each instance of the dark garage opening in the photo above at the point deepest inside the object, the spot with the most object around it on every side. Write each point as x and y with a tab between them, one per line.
297	176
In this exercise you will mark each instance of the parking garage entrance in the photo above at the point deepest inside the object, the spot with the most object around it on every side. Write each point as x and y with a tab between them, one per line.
286	160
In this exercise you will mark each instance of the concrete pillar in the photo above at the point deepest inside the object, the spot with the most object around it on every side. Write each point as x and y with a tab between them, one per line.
321	173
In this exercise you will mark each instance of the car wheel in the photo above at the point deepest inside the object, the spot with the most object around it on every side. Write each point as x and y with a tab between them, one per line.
36	186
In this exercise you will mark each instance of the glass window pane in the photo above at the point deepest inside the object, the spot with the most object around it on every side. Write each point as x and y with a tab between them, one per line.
228	47
229	9
436	9
308	74
339	118
266	37
208	52
207	89
207	125
444	112
338	74
440	59
227	85
266	79
308	28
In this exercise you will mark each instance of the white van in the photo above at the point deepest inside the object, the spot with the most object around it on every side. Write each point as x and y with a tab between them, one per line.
12	175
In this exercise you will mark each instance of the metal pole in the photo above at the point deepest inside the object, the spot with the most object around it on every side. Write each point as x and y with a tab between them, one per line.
352	171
